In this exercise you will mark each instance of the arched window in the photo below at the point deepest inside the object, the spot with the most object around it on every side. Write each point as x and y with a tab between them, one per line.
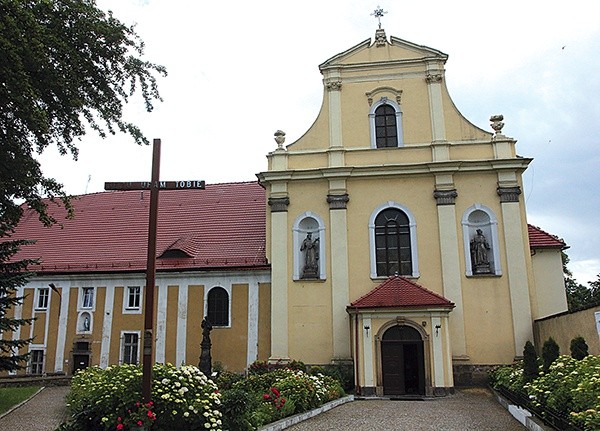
386	124
393	242
217	307
309	247
480	238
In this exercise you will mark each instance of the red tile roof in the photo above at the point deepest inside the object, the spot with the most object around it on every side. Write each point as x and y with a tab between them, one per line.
540	239
399	292
222	226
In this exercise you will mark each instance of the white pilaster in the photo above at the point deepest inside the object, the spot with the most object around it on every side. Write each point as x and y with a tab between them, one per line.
62	330
182	303
253	298
161	323
340	296
279	286
438	354
451	276
109	299
368	366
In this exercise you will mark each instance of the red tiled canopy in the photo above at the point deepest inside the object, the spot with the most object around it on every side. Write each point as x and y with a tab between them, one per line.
399	292
540	239
222	226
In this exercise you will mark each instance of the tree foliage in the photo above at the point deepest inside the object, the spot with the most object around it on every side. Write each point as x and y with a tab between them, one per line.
12	276
65	67
530	363
550	352
578	295
579	348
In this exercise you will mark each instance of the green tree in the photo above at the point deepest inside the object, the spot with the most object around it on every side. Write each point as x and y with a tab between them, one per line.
578	295
66	67
550	352
12	276
579	348
530	363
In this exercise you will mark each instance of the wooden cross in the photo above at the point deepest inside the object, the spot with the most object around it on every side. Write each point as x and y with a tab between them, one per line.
154	186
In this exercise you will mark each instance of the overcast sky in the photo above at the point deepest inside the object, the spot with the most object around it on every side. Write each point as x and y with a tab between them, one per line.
240	70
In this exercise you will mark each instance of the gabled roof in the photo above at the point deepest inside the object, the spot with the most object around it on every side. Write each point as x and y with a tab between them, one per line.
220	227
411	51
400	292
541	239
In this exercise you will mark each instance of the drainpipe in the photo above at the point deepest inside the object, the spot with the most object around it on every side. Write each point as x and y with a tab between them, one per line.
356	348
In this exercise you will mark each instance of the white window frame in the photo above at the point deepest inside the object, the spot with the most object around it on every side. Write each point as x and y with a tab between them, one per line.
490	230
414	254
32	351
42	294
299	234
122	350
400	133
127	309
83	294
228	289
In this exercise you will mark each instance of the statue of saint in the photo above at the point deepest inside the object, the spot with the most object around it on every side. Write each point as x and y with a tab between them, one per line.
205	364
479	253
310	248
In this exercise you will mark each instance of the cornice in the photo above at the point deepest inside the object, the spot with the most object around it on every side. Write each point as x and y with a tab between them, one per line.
427	168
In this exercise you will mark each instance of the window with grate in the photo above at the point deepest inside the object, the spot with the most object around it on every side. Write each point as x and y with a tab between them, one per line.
392	243
218	307
37	361
386	130
130	347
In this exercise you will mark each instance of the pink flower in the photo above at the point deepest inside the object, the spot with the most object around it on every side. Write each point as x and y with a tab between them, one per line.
120	426
140	423
266	397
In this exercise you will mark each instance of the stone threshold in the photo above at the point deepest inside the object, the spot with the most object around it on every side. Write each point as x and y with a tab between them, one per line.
292	420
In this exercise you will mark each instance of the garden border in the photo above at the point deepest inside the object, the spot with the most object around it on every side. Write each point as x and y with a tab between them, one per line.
528	419
293	420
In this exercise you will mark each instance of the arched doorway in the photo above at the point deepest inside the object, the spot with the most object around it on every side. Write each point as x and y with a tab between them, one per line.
402	361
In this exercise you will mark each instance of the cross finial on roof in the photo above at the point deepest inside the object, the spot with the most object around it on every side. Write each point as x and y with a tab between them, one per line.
378	13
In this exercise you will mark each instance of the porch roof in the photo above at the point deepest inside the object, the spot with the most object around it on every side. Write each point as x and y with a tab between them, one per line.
400	292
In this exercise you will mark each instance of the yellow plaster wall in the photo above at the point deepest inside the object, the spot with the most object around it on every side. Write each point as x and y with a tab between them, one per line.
549	283
195	314
229	345
264	321
171	324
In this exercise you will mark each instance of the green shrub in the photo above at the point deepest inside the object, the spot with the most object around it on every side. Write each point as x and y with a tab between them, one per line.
579	348
550	352
530	363
109	399
266	397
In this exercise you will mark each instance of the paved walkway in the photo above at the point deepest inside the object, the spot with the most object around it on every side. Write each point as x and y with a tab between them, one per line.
44	412
467	410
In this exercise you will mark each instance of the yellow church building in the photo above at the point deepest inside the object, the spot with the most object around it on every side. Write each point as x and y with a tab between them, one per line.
392	237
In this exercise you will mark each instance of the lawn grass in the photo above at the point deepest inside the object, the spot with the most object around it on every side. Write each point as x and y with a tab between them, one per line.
10	397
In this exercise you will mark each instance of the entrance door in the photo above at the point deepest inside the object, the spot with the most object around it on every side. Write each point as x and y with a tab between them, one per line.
402	361
81	362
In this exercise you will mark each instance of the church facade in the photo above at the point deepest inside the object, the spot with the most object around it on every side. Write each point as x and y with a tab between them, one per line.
392	237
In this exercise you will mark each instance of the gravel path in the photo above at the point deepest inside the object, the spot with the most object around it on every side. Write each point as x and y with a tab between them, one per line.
44	412
468	410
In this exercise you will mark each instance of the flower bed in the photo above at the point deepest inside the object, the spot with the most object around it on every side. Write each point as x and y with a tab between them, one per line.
110	399
266	396
571	388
